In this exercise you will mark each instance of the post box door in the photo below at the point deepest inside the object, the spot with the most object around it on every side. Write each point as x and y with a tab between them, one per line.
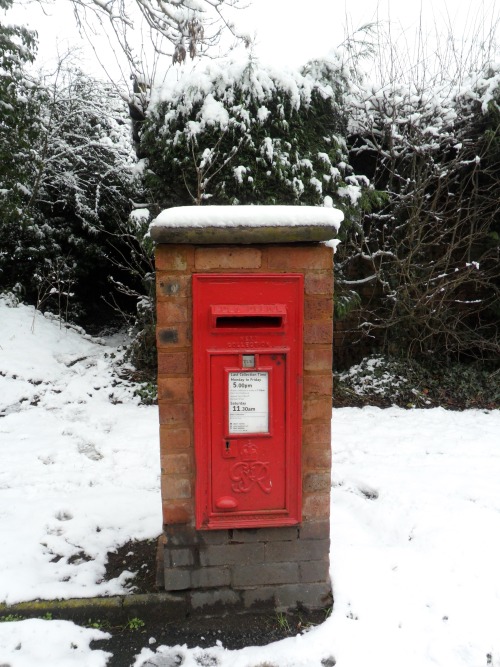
248	433
247	369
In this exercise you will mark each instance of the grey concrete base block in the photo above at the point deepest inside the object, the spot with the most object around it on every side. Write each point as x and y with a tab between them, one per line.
306	596
214	600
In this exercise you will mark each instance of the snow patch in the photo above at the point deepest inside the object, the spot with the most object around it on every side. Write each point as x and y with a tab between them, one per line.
258	216
50	644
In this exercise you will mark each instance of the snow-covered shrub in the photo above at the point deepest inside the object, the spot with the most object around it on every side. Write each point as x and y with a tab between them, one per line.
64	239
431	249
136	264
376	376
242	133
378	380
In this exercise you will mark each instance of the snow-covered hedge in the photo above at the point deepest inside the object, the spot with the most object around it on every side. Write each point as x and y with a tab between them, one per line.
242	133
431	249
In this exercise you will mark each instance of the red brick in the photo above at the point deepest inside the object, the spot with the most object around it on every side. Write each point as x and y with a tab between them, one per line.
175	413
174	438
175	487
177	389
178	335
176	463
318	332
316	458
168	285
315	482
299	257
227	258
174	362
316	506
319	308
318	283
316	433
176	513
172	311
317	359
318	384
317	409
173	257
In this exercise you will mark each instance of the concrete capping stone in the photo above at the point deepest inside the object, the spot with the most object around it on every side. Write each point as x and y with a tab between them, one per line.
242	234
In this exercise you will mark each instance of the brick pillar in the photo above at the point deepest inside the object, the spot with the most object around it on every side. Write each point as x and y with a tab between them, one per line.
246	569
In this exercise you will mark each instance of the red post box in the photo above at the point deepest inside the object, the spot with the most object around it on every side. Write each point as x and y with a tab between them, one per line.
247	353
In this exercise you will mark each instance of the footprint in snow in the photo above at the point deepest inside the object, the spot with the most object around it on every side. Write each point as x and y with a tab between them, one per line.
89	450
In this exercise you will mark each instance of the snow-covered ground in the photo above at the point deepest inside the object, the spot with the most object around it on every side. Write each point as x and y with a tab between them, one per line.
80	461
415	516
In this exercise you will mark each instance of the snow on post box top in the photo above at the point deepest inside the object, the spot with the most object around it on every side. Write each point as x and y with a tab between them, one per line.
246	224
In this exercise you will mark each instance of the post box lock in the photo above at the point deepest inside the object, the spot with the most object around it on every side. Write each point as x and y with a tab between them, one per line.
229	449
247	347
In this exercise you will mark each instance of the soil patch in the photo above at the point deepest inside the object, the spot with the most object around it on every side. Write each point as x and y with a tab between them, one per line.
139	558
232	631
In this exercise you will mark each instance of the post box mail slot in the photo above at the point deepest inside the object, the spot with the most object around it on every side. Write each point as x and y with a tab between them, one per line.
247	354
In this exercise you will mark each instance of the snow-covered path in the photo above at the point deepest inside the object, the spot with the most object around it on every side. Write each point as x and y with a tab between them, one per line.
415	517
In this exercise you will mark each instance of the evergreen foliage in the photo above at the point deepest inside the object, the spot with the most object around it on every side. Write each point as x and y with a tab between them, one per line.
85	184
19	128
410	383
67	179
241	133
